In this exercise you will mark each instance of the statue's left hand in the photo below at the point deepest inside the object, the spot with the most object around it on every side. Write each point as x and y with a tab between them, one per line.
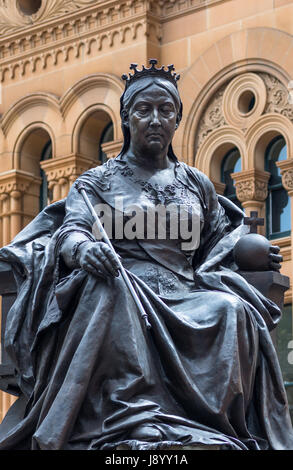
253	252
275	259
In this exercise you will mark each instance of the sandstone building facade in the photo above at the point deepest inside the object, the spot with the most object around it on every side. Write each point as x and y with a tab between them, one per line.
60	74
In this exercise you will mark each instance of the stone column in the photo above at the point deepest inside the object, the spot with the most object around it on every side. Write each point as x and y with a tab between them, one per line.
252	191
13	185
5	235
286	168
61	172
16	212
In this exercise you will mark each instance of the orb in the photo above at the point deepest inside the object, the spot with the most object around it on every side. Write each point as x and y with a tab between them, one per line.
251	253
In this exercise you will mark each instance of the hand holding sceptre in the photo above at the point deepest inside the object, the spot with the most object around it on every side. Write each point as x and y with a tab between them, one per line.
105	238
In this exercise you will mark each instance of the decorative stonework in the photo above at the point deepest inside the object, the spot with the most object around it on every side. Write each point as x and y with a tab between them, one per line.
13	19
213	117
61	28
287	180
15	181
14	185
227	106
286	167
244	100
167	9
80	31
62	172
251	185
277	97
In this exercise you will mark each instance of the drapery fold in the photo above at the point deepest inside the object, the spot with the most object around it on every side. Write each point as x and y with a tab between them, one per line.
206	373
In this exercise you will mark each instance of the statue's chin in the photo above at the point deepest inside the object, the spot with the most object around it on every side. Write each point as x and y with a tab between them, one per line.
154	147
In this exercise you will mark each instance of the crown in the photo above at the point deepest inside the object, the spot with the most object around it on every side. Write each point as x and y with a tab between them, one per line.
154	71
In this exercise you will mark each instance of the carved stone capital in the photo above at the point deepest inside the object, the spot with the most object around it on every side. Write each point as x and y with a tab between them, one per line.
286	168
62	169
15	182
251	185
61	172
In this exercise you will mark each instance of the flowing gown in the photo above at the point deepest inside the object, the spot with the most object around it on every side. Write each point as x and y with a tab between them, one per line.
90	373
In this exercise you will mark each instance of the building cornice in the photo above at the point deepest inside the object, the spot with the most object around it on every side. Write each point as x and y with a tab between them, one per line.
97	25
171	9
80	25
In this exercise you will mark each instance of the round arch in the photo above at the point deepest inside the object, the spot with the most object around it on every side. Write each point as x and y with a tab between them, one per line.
36	141
262	132
37	110
215	147
89	129
229	57
95	93
35	106
29	145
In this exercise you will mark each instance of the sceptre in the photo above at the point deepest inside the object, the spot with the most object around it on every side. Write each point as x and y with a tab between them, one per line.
81	189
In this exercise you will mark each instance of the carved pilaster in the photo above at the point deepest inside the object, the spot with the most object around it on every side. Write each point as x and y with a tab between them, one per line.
286	168
252	190
61	172
14	185
251	185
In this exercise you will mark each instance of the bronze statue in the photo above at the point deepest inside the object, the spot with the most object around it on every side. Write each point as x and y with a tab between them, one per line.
91	375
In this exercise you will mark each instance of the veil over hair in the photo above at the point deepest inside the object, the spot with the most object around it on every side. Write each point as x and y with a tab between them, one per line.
132	91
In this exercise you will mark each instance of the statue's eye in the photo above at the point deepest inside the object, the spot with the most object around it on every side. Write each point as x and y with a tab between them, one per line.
143	109
166	109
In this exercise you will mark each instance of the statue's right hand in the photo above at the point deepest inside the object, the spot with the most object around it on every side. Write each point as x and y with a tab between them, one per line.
98	259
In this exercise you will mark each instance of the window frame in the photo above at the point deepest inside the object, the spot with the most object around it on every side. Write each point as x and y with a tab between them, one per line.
269	234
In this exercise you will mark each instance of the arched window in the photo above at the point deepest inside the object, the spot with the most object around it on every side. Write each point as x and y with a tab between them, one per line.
231	164
278	211
44	192
96	130
107	136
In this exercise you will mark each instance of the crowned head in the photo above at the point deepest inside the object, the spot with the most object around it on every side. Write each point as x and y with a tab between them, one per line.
141	80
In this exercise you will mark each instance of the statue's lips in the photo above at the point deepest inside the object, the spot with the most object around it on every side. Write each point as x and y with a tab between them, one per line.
156	136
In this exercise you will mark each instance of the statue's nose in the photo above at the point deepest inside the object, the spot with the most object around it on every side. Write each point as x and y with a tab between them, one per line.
155	118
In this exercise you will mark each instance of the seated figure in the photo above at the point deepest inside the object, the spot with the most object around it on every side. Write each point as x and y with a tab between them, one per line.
91	375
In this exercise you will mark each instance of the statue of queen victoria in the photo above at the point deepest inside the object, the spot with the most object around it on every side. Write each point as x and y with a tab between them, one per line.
92	376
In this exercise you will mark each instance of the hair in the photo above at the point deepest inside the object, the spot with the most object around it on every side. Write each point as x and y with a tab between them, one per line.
130	94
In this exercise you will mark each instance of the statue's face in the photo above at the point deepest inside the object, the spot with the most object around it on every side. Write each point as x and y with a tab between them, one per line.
152	121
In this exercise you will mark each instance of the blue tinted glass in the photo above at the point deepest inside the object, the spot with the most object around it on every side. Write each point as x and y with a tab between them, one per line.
286	217
283	153
278	202
107	136
238	166
44	192
231	164
282	156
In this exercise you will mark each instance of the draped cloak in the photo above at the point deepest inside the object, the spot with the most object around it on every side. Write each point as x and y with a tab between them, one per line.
89	372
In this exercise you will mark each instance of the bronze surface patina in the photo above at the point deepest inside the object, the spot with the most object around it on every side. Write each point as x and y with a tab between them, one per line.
206	373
